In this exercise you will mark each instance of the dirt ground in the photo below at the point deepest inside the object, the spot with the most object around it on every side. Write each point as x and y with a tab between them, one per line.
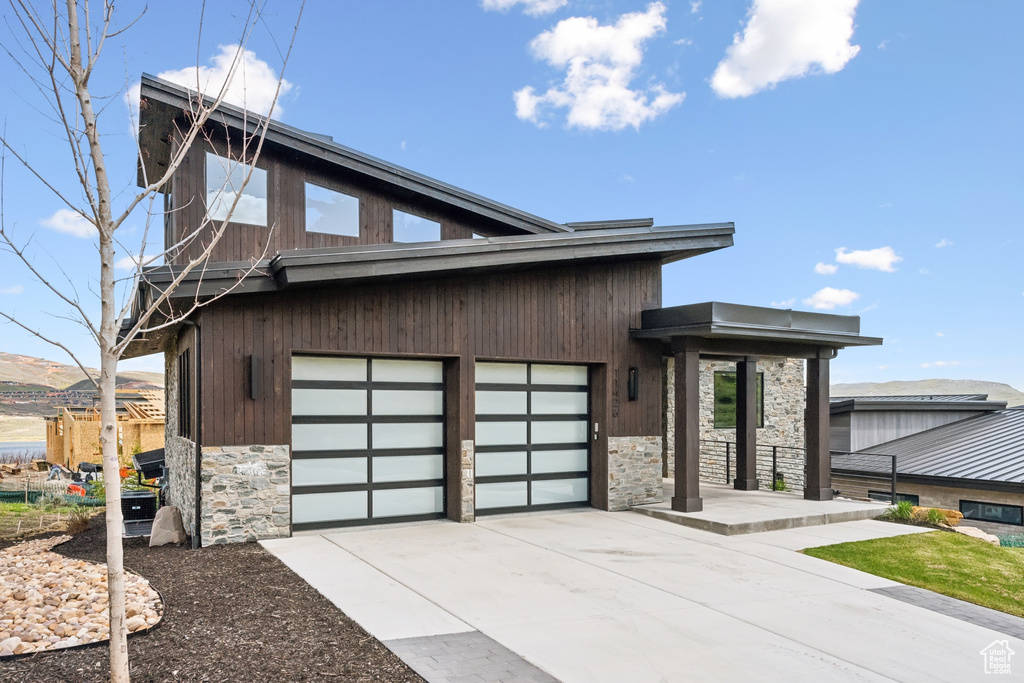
232	613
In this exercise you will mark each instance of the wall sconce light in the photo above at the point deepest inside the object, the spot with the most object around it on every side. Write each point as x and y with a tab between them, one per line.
633	385
254	377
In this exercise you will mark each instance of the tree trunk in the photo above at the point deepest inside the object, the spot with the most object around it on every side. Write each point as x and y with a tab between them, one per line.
114	517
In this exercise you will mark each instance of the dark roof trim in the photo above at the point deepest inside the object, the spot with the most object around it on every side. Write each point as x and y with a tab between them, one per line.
448	257
600	225
839	406
715	320
163	102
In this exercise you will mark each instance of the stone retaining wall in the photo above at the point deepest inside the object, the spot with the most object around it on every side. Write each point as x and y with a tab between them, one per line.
246	494
634	471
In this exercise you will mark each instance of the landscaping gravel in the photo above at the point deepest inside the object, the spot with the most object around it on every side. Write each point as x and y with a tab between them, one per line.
231	613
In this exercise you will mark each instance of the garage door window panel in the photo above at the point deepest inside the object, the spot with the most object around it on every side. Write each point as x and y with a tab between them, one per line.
382	438
532	428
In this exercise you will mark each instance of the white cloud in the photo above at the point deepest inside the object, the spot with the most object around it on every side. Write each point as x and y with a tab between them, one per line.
786	39
402	145
131	262
828	298
600	62
695	6
252	82
70	223
786	303
944	243
883	367
826	269
685	42
941	364
940	334
884	44
16	289
534	8
882	258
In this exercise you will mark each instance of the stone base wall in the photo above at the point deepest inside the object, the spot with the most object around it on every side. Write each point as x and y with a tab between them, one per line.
180	461
634	471
467	513
246	494
784	402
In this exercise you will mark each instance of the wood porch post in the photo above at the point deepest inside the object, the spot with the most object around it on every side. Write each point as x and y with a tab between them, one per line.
746	425
687	494
818	480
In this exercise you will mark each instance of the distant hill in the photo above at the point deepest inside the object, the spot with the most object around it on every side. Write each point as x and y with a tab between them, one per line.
996	391
38	371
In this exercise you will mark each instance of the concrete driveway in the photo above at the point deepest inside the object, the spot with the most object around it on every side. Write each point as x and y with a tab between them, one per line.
596	596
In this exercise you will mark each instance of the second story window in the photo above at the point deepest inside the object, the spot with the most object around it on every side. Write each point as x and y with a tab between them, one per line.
225	180
412	228
331	212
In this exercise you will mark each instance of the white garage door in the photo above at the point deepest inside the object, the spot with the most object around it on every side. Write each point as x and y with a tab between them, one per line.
532	428
367	441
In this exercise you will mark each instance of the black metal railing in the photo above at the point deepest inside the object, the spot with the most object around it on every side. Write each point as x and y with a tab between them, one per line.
864	476
779	468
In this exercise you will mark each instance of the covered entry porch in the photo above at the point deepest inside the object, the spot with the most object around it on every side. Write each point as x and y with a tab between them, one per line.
741	335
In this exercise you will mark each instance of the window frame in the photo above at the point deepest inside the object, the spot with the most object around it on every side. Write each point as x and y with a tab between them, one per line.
186	395
1018	508
324	186
714	399
207	190
395	210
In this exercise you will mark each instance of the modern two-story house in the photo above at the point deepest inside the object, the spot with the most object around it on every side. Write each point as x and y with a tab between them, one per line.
402	349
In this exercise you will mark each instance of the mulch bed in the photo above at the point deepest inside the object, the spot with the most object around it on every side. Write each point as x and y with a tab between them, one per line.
232	613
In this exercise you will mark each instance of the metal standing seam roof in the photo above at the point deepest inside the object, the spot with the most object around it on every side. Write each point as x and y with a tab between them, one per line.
915	397
986	447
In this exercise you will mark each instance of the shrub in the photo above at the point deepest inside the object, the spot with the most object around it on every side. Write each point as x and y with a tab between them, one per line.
49	500
935	517
904	511
78	520
780	483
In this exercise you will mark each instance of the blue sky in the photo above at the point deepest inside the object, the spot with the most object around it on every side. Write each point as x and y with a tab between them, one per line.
871	154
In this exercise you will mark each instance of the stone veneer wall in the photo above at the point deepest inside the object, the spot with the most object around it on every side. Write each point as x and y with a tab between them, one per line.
246	494
468	483
784	403
179	453
634	471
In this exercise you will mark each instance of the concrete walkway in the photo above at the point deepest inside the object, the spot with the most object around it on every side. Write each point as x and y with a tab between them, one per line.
596	596
731	512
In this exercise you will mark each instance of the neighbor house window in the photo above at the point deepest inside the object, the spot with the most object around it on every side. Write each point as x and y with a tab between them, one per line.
886	496
185	403
331	212
225	180
412	228
992	512
725	400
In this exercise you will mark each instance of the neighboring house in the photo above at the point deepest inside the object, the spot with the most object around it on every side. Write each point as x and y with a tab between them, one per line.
73	435
408	350
974	464
862	421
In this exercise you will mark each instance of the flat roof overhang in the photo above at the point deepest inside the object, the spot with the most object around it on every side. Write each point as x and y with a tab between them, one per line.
725	330
839	406
306	268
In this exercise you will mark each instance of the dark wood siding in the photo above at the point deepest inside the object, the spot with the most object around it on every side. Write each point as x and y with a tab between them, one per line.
576	314
286	176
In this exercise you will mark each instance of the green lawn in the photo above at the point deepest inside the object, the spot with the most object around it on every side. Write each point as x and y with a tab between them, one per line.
947	563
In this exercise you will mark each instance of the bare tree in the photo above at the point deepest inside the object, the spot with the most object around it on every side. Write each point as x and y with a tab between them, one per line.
59	50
